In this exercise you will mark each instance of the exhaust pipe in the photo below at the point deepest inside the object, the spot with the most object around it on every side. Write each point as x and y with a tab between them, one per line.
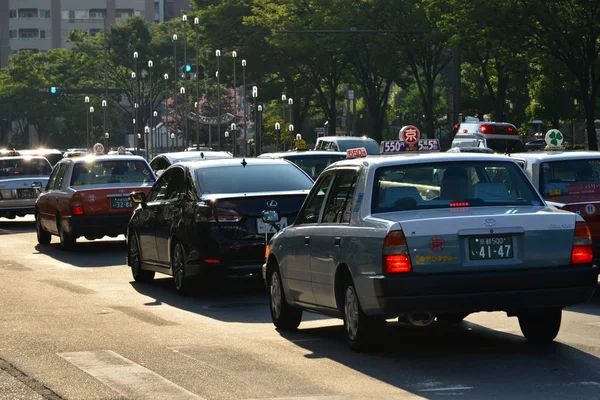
420	319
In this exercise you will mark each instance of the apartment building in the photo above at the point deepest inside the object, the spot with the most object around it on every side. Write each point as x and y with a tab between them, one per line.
42	25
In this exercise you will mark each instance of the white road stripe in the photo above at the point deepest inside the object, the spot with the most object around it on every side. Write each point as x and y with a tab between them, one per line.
126	377
452	388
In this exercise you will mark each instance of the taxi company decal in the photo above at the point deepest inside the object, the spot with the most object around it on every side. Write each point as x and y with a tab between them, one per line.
429	259
590	209
436	244
92	198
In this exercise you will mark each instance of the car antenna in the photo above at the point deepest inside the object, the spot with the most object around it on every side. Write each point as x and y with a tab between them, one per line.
244	163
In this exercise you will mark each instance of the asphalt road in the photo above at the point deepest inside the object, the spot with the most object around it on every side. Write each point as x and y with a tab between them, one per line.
76	326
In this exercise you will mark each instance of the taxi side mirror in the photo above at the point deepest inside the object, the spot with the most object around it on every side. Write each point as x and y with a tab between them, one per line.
138	198
270	217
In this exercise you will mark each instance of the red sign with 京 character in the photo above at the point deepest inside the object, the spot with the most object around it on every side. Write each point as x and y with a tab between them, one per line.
436	244
410	134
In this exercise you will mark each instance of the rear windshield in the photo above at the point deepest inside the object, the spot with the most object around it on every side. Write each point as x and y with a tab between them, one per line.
570	179
506	145
252	178
130	172
371	145
17	167
314	165
451	184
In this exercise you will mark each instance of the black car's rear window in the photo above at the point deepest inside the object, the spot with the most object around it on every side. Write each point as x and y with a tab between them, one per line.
251	178
314	165
506	145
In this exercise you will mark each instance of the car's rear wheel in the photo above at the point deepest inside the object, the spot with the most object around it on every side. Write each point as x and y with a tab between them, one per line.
362	331
67	241
284	316
540	326
135	260
179	267
43	236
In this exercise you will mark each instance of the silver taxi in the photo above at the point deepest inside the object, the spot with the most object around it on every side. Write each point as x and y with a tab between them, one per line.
21	181
376	239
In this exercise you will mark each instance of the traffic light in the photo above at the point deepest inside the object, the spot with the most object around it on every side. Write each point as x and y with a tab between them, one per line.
188	68
53	90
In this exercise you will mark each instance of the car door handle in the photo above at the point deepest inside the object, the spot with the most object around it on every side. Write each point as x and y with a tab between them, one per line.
306	240
337	241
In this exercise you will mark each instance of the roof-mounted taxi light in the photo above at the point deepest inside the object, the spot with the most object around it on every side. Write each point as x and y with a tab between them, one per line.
582	252
395	254
554	140
98	149
388	147
355	153
13	153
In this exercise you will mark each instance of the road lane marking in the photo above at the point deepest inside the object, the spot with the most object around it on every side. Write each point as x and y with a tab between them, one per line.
445	389
126	377
143	316
68	286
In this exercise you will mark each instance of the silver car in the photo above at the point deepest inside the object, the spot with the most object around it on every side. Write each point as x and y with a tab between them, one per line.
376	239
21	181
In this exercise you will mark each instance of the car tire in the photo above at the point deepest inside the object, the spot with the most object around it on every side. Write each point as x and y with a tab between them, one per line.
135	261
540	326
43	236
67	241
362	331
283	315
179	267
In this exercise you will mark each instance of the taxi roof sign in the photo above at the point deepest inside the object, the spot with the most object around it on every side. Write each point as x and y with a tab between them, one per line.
301	144
554	140
410	134
99	148
122	150
401	146
358	152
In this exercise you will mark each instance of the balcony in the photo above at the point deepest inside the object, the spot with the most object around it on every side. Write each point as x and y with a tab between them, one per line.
27	13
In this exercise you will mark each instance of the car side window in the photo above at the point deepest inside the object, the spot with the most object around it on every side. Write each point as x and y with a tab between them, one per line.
52	178
60	176
168	186
339	205
311	211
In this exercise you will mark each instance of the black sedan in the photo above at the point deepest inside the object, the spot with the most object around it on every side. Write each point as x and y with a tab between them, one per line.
204	218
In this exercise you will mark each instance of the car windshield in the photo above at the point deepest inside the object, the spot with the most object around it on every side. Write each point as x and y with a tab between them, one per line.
97	172
251	178
570	179
371	145
506	145
17	167
314	165
461	184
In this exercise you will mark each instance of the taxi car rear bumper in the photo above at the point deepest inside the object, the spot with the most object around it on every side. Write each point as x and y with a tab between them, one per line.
97	226
510	291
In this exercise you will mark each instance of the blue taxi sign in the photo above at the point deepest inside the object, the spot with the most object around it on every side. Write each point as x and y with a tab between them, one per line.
401	146
358	152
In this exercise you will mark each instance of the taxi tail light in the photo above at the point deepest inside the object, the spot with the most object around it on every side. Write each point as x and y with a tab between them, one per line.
1	198
395	254
209	213
76	205
582	252
487	128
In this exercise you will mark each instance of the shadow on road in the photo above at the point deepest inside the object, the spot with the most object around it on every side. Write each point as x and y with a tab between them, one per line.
592	307
19	225
103	253
229	300
466	360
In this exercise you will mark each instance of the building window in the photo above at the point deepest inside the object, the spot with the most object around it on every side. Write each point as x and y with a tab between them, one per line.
45	14
138	13
45	35
12	13
97	13
13	33
124	13
82	14
28	34
27	13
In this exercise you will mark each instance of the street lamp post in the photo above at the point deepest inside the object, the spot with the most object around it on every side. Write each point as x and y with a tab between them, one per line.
137	141
104	104
136	106
218	54
175	76
153	133
166	76
226	140
182	91
139	138
259	125
147	132
136	87
196	23
234	136
291	130
150	65
277	133
87	122
291	104
106	137
172	141
283	100
92	122
234	56
245	108
257	138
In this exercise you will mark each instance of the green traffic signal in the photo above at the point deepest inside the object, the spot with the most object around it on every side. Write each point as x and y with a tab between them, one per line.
188	68
53	90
